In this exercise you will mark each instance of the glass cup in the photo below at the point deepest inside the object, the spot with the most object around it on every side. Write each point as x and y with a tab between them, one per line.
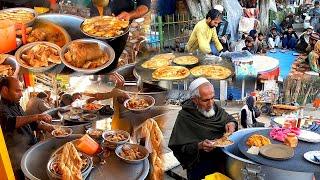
8	35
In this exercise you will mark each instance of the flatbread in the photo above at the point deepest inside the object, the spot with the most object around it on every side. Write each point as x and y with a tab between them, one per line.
186	60
171	73
158	61
222	142
211	71
104	26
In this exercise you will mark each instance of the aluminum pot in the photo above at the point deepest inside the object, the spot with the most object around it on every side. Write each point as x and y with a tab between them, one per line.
238	167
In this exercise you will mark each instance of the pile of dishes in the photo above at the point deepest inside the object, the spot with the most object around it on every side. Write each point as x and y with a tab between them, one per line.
78	115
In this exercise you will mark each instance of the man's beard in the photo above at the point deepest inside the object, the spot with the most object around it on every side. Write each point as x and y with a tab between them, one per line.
207	114
212	26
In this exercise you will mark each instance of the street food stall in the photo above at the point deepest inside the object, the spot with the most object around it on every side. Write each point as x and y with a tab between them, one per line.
57	32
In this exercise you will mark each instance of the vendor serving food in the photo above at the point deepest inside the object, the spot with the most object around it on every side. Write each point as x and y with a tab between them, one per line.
119	81
198	123
126	10
17	127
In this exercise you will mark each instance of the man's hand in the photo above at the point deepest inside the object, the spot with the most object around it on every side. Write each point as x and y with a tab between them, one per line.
206	145
117	78
230	127
119	94
124	15
44	117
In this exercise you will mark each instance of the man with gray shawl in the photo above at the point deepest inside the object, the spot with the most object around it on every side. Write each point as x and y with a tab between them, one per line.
198	123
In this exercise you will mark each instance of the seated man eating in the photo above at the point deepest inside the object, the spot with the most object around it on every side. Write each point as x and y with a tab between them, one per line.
199	122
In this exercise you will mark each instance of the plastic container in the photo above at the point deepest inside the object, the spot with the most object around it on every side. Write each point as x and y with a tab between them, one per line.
291	140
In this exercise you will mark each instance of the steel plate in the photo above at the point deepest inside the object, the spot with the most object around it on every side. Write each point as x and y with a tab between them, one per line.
277	151
114	168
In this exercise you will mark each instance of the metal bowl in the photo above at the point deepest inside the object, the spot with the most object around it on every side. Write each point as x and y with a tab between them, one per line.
66	129
12	61
26	47
151	101
42	23
55	176
114	144
35	14
142	149
104	46
125	31
95	136
92	111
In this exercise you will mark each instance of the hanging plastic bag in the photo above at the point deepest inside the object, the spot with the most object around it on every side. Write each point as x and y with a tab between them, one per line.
234	12
273	5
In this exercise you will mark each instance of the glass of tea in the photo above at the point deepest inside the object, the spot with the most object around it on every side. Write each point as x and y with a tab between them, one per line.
100	4
8	35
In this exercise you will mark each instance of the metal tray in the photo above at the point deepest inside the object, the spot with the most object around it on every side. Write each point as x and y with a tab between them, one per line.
114	168
35	14
146	74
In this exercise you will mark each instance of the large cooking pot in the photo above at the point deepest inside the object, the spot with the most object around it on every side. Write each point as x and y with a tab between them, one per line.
239	167
71	24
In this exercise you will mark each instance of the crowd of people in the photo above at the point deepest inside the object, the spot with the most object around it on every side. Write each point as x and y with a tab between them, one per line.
204	38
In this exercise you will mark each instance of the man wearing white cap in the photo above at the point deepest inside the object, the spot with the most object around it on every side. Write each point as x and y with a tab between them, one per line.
304	39
199	122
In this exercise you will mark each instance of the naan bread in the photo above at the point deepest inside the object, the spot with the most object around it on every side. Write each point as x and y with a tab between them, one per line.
171	73
158	61
70	163
186	60
211	71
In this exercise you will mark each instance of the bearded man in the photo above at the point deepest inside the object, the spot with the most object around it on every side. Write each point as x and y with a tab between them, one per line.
204	35
199	122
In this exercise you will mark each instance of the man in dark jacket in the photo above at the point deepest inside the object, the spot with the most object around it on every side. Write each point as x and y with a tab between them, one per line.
290	38
199	122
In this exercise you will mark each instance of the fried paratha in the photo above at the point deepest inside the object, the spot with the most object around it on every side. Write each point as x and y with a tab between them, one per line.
186	60
70	164
158	61
104	26
171	73
211	71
